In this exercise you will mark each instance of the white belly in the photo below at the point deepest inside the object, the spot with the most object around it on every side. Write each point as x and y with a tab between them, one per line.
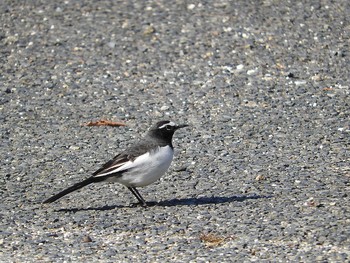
145	169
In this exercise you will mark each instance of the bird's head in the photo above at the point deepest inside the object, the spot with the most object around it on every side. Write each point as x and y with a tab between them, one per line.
165	129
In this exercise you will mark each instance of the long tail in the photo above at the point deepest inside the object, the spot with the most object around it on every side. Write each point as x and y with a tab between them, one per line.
71	189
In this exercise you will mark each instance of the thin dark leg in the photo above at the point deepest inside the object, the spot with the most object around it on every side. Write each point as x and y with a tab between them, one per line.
138	196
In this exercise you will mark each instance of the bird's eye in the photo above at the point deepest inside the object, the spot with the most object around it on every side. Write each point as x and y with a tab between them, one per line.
169	127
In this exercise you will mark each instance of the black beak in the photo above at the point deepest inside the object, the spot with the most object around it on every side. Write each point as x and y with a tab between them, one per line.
181	126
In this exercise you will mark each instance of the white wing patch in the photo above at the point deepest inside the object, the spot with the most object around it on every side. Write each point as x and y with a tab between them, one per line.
169	123
145	169
113	169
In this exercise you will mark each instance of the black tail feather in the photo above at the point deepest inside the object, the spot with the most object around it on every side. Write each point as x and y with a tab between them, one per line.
71	189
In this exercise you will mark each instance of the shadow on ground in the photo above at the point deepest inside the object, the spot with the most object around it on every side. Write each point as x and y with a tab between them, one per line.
173	202
208	200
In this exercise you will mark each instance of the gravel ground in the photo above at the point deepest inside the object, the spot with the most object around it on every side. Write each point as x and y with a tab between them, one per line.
262	174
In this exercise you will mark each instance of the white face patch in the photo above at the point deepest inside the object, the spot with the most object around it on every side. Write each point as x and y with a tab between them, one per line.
169	123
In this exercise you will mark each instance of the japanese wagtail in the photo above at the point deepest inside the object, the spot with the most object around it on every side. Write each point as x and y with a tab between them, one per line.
143	163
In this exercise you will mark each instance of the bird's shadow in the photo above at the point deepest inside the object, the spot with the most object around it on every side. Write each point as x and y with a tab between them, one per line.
193	201
208	200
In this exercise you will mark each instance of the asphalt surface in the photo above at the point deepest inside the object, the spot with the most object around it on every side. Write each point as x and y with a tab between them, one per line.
262	173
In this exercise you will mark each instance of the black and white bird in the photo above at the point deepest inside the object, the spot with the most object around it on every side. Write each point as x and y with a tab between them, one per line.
143	163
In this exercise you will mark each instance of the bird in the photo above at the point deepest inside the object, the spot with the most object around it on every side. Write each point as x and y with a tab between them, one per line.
141	164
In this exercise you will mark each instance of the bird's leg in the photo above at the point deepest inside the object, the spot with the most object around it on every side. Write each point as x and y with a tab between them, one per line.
138	196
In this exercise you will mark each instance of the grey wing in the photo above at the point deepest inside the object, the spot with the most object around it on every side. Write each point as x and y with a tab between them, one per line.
119	160
111	165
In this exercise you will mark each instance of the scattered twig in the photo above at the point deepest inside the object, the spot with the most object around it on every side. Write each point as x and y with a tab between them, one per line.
104	123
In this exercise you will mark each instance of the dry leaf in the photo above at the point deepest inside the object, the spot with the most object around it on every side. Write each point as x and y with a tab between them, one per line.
212	240
260	178
327	88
